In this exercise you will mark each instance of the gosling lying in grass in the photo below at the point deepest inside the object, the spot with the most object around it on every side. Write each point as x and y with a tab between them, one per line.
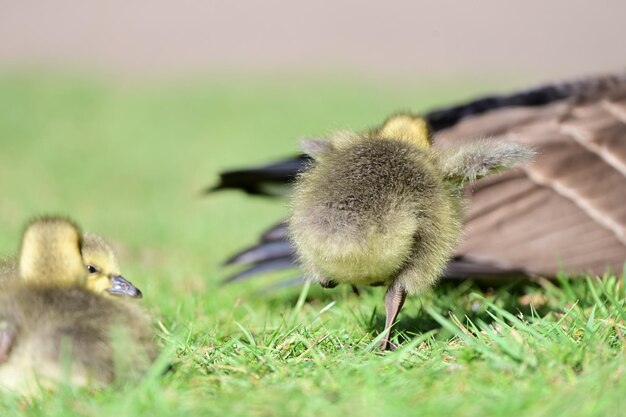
385	208
55	328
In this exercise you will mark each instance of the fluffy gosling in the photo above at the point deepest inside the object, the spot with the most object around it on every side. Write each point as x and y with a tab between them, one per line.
385	208
54	328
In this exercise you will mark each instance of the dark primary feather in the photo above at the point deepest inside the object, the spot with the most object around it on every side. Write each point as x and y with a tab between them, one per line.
265	265
262	180
566	211
280	231
264	251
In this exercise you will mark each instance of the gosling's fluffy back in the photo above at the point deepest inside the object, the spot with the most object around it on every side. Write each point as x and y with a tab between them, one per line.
360	213
8	269
99	339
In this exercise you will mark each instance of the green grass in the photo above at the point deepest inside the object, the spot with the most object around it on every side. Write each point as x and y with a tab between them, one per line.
129	162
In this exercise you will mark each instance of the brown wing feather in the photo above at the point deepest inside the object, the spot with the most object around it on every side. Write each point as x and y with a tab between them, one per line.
617	107
567	211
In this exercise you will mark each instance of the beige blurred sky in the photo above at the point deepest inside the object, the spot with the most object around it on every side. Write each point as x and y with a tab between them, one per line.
542	39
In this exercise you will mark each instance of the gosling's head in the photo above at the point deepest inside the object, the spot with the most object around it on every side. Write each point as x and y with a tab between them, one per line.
103	270
403	127
50	252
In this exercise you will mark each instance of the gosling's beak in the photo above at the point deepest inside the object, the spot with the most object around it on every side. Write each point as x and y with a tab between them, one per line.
122	287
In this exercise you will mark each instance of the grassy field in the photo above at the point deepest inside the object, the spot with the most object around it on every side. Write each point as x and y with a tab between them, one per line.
129	162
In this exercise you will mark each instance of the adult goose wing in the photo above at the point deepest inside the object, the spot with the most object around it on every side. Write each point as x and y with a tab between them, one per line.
567	210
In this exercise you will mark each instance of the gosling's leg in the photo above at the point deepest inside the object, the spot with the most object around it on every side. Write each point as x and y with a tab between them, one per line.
394	299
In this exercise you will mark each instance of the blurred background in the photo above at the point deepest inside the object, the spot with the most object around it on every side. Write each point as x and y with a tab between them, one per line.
402	38
118	113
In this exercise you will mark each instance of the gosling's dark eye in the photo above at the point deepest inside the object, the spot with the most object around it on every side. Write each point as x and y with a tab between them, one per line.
92	269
